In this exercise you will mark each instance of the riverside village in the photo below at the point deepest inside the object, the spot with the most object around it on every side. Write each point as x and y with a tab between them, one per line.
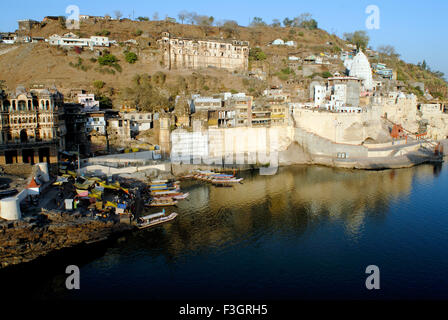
102	127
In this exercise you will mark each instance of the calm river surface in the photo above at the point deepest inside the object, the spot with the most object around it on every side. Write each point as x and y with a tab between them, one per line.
305	233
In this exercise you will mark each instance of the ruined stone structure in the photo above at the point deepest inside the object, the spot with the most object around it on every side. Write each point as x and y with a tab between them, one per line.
30	125
181	53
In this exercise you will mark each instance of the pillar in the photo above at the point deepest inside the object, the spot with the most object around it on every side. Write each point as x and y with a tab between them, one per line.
53	158
10	209
19	156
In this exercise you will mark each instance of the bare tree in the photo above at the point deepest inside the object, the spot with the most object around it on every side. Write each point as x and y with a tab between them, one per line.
388	50
155	16
118	14
182	15
231	28
191	17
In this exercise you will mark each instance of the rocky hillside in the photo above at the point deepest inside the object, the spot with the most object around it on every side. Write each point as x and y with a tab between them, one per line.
39	63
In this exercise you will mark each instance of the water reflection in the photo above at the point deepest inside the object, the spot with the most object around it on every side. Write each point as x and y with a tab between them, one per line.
295	201
288	234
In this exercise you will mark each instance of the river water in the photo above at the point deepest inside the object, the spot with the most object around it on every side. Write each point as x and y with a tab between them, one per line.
307	232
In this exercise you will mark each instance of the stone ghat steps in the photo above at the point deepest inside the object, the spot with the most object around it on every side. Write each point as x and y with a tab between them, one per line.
317	145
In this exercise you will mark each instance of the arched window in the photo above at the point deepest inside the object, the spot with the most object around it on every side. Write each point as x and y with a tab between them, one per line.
6	105
22	105
23	136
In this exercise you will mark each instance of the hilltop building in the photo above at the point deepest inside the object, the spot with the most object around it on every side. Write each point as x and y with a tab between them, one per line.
182	53
72	40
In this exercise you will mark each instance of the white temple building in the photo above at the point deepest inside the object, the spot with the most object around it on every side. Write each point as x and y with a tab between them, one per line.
360	68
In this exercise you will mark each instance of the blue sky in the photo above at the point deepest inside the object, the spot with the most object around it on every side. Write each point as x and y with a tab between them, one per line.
417	29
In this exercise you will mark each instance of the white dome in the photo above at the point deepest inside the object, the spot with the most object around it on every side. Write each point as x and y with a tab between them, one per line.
360	68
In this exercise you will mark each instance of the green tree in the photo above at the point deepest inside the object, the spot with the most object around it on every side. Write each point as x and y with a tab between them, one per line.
256	54
287	22
359	38
306	21
309	24
143	18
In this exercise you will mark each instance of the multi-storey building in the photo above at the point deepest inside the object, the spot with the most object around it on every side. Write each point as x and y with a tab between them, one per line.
139	121
182	53
32	127
242	105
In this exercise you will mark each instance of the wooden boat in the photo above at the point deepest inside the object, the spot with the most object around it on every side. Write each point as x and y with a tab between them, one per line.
168	195
160	183
179	196
162	203
162	192
155	219
223	181
174	187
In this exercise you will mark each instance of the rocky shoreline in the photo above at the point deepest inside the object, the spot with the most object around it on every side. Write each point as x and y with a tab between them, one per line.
26	240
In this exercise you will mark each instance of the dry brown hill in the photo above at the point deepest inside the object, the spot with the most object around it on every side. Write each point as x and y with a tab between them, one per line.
66	69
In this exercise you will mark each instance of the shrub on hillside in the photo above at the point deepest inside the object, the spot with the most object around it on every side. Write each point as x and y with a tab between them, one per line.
98	84
107	60
130	57
256	54
103	33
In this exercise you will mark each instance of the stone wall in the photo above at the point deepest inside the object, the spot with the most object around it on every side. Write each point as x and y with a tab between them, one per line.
241	145
348	128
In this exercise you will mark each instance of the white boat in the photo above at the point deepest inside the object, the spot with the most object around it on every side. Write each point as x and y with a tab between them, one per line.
163	192
181	197
222	181
155	219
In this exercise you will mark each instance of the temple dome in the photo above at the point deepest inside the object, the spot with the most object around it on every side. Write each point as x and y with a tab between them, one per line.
360	68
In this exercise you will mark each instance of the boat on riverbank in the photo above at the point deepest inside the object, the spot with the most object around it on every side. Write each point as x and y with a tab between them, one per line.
226	181
155	219
161	203
216	178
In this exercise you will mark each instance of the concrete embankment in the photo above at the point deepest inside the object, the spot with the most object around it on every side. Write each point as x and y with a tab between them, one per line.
322	151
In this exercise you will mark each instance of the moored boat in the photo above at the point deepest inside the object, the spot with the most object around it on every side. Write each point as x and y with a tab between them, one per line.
222	181
155	219
162	203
